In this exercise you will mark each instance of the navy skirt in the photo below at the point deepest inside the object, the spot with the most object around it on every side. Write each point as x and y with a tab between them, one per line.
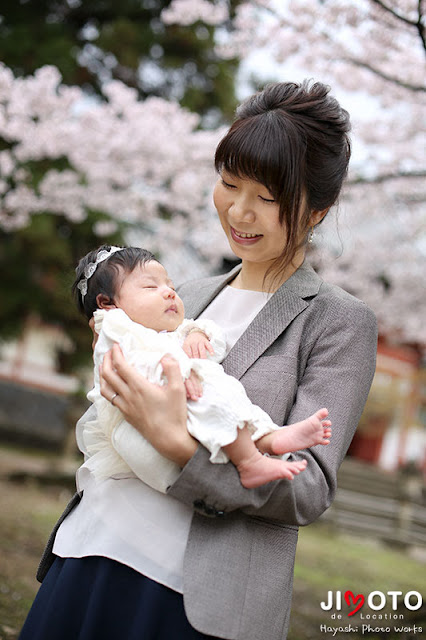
96	598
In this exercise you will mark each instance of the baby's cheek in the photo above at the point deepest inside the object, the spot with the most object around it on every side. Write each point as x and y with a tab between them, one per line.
181	312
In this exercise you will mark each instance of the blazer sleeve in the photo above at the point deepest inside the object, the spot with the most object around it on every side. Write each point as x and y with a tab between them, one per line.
339	369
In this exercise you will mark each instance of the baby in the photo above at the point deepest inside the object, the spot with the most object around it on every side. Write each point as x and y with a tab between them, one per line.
135	305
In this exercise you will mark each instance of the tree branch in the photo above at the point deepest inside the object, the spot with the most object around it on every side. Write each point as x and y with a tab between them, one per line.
385	177
396	15
384	76
418	24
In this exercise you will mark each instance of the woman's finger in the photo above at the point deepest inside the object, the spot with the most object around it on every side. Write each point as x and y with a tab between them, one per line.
106	390
95	335
125	371
172	372
110	379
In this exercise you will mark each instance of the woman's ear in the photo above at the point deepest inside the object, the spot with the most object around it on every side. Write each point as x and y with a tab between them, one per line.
317	217
104	302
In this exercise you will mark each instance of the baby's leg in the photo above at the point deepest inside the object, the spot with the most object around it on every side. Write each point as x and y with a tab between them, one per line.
256	469
300	435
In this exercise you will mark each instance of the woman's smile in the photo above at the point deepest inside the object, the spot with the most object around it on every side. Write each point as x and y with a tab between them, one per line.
244	238
250	219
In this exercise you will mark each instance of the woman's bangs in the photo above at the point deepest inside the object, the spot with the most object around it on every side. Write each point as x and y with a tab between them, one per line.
251	149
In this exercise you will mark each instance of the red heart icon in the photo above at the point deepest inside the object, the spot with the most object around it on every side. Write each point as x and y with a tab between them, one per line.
359	599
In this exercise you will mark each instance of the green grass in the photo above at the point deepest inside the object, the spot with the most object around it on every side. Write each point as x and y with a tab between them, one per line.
331	561
338	558
325	561
28	513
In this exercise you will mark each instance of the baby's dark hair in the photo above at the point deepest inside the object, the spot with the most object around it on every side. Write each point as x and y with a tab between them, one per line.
104	279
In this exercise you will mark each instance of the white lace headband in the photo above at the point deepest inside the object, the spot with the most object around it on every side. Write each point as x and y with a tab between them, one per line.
91	268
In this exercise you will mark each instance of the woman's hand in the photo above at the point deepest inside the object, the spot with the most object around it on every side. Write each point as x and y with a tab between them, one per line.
95	335
157	412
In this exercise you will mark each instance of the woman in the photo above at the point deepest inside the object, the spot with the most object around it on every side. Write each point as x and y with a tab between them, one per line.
295	343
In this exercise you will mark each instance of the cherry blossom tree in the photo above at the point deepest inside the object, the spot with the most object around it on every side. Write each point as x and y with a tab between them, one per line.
140	162
147	164
75	173
94	41
372	52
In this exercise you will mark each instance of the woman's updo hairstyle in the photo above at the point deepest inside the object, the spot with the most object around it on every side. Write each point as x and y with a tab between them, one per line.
292	138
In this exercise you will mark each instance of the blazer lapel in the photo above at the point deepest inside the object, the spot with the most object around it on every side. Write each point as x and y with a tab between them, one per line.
287	302
269	323
198	299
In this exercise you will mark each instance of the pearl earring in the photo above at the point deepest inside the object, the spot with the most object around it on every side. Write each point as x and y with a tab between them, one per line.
311	235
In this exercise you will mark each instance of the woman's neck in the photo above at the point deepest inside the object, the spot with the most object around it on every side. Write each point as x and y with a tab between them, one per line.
252	276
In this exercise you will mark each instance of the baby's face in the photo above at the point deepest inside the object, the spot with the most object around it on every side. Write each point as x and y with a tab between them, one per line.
148	297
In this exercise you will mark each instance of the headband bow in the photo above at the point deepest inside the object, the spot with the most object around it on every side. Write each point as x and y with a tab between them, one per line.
92	266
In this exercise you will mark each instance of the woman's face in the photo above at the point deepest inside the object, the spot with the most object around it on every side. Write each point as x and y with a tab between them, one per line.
250	218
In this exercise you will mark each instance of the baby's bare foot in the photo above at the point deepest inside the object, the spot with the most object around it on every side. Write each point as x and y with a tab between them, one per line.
301	435
259	470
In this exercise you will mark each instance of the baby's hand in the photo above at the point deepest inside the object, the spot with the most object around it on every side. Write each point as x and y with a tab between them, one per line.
193	386
196	345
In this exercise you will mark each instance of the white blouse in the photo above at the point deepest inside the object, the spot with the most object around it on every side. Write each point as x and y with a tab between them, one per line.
126	520
233	310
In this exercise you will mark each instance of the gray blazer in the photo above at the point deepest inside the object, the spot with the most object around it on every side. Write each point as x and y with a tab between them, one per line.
312	345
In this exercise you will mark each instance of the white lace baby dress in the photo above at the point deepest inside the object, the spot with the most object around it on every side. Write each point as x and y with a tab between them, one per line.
114	447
